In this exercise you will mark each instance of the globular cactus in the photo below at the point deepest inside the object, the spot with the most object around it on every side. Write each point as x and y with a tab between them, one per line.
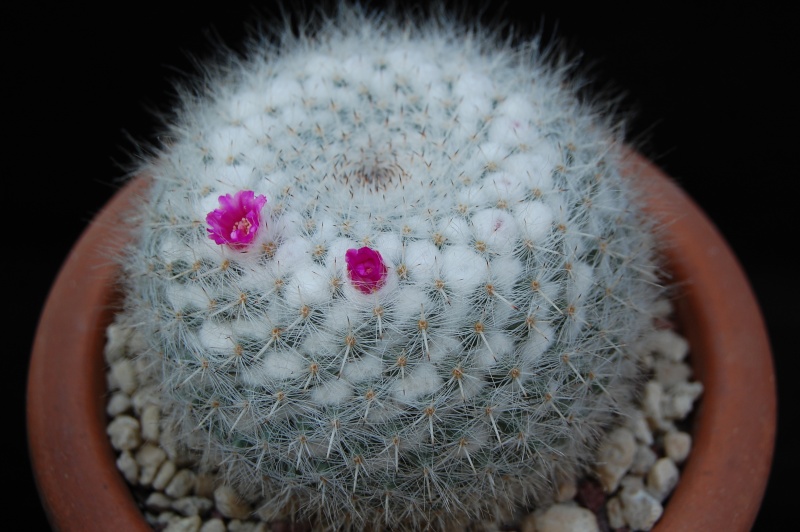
390	274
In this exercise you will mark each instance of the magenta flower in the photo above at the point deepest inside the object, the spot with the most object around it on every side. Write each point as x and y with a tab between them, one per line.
237	220
366	268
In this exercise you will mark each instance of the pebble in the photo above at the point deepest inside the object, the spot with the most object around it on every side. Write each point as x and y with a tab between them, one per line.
192	505
158	502
677	403
669	373
638	424
230	504
118	404
668	344
164	475
124	433
126	463
117	338
185	524
149	457
643	460
124	376
142	397
615	457
182	484
651	404
662	478
616	517
640	509
564	517
163	519
214	525
149	419
677	445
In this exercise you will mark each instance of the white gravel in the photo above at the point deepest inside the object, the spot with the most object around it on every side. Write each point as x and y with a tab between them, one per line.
638	464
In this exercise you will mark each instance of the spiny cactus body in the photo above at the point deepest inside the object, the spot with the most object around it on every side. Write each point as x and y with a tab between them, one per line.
483	344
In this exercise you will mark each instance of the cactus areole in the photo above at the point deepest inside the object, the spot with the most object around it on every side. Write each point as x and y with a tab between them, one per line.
391	274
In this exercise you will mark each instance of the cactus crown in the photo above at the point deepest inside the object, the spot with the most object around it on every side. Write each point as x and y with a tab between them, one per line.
389	272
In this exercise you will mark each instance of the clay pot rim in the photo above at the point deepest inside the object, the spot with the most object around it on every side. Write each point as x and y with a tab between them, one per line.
722	482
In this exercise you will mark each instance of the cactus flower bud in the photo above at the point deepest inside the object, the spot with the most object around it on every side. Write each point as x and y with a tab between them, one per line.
366	268
237	220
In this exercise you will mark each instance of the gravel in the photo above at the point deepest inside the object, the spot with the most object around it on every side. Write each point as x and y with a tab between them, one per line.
638	465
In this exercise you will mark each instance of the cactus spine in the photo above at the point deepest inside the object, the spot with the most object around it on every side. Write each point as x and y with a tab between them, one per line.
515	273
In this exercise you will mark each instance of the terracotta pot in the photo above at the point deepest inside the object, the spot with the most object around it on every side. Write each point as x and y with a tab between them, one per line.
722	483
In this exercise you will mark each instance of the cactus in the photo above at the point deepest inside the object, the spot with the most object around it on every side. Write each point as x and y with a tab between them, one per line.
389	272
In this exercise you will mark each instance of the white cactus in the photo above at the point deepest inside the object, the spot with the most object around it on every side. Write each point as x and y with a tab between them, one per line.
492	352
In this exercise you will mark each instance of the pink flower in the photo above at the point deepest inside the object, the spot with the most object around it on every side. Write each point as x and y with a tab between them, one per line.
366	268
237	220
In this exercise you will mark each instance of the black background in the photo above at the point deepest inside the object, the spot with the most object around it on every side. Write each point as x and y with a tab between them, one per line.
710	86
